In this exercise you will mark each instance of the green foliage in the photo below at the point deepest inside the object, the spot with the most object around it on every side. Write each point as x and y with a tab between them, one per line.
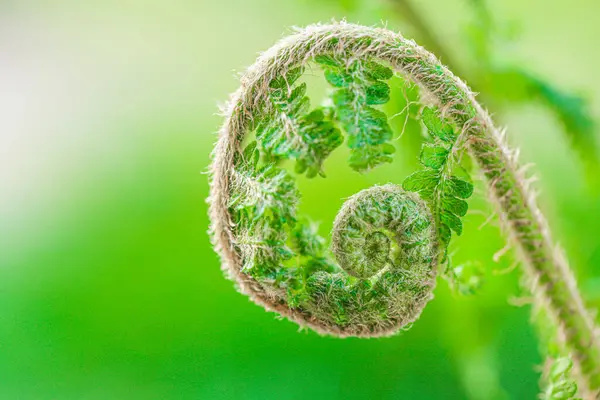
291	131
268	191
359	85
262	204
560	386
557	378
445	192
310	248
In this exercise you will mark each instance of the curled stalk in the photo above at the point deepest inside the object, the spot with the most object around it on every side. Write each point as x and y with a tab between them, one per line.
387	243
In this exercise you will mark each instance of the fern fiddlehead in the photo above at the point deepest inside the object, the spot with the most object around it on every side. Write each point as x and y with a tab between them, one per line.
387	241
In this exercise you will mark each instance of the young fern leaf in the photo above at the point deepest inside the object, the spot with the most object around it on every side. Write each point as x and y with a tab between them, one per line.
359	85
266	191
445	192
560	386
291	131
264	202
387	242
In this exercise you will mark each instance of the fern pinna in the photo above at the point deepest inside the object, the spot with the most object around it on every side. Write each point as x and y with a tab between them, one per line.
388	241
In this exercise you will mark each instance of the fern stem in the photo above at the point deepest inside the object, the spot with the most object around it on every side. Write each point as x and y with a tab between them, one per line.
554	286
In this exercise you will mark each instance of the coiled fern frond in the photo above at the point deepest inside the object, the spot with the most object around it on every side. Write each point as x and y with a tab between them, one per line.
388	241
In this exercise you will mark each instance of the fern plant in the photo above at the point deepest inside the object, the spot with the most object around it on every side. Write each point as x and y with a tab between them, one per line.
388	242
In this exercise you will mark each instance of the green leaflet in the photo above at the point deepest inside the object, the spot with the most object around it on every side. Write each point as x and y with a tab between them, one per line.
445	192
423	182
291	131
322	137
560	385
378	93
337	79
459	188
274	191
452	221
266	260
437	126
456	206
262	204
360	85
286	81
365	158
376	71
433	156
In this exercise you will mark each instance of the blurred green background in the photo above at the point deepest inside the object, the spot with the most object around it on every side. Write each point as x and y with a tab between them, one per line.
109	287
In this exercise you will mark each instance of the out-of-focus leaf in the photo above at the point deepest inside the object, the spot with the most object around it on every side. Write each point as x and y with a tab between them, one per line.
572	111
